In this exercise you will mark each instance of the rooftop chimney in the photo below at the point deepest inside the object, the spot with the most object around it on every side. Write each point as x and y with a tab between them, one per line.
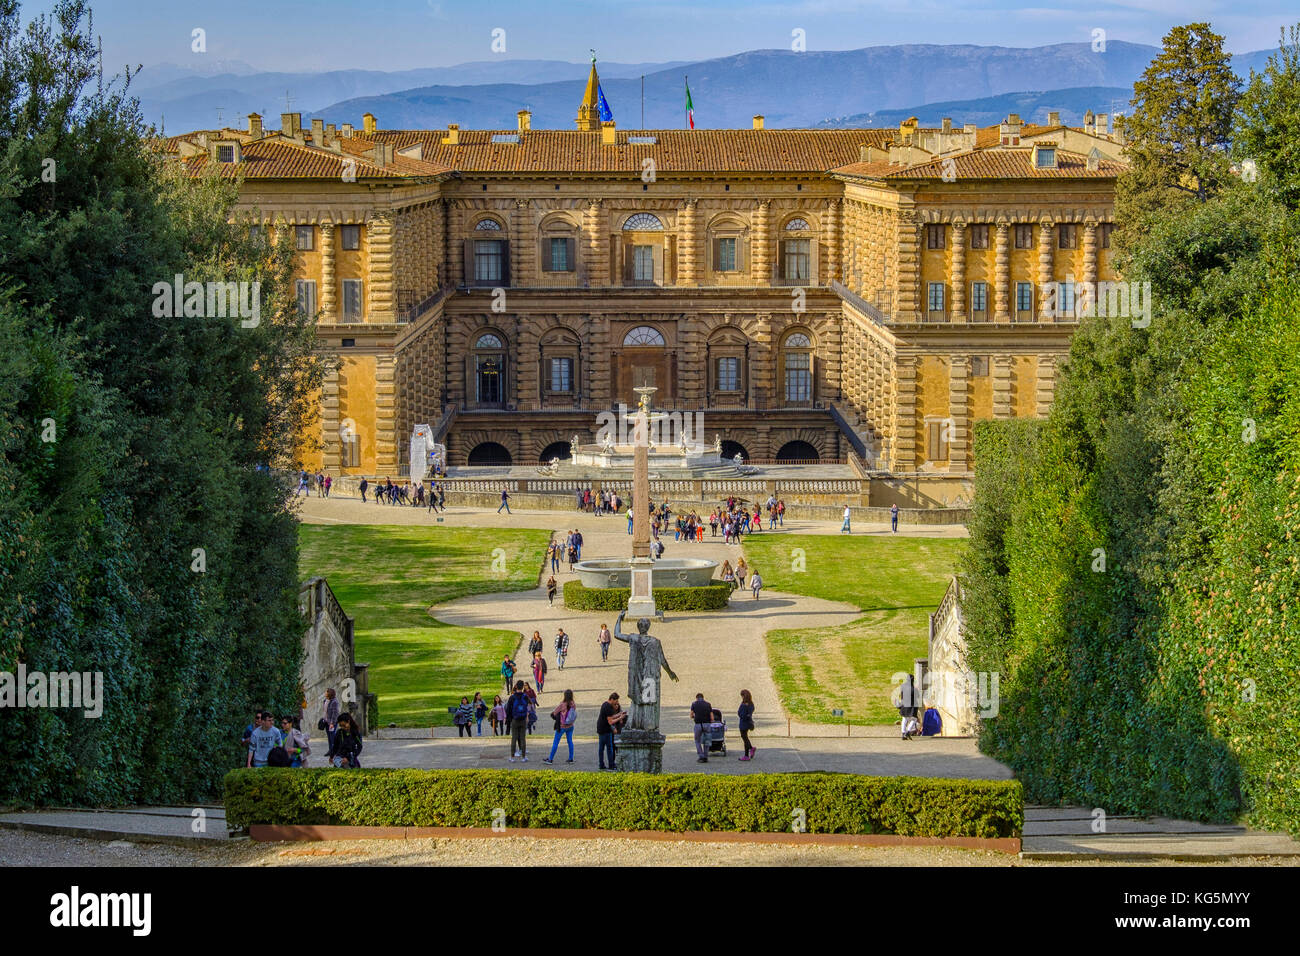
1089	122
347	130
1009	131
946	125
607	137
368	124
453	135
758	121
255	125
1053	118
331	132
525	120
318	132
290	124
1103	124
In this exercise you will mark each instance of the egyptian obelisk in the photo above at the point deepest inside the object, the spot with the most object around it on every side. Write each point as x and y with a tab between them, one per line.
641	603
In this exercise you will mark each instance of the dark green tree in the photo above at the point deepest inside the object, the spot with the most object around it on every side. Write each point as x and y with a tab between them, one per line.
1268	125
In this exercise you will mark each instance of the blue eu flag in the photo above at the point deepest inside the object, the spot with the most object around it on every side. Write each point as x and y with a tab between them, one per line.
606	114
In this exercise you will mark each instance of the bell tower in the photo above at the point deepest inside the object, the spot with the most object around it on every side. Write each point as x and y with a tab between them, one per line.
589	110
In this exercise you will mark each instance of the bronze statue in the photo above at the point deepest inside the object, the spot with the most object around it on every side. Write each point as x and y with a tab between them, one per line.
645	658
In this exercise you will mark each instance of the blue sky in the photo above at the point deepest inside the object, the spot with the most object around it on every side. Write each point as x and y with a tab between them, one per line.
406	34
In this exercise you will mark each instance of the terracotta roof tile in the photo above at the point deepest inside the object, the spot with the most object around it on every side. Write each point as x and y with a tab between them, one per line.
573	151
277	158
989	164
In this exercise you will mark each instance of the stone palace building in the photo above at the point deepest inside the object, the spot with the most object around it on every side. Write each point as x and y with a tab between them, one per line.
816	294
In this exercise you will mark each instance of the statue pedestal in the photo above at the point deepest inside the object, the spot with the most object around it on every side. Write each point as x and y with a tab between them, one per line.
641	602
640	751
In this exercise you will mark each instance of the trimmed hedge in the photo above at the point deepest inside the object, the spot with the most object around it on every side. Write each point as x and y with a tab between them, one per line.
762	803
712	597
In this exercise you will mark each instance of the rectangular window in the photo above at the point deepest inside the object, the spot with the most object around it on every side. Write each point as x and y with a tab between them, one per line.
797	260
306	236
934	297
934	236
979	236
488	261
979	296
728	376
561	375
643	263
350	238
225	154
559	254
306	289
726	256
1065	235
351	451
1024	297
1065	306
256	233
798	377
1104	230
1045	158
936	441
1024	236
352	300
979	366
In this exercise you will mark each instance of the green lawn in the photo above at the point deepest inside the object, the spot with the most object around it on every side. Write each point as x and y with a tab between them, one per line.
897	582
386	577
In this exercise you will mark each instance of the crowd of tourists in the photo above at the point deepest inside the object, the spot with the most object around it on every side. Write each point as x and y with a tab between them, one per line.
288	745
598	502
388	492
320	481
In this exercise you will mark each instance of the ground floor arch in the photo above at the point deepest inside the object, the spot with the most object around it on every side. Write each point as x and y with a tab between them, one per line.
490	453
797	451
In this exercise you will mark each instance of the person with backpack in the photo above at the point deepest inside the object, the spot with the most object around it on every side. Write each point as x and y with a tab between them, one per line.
517	712
746	715
347	744
464	717
561	648
565	716
508	672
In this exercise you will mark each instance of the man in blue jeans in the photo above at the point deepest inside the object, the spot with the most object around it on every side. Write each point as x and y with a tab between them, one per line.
893	517
610	720
702	715
505	502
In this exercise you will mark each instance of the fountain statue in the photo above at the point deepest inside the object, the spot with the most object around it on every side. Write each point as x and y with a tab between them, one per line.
573	447
717	445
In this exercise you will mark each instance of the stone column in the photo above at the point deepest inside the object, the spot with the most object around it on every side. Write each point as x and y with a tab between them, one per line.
762	360
761	253
958	271
1090	263
1045	267
328	301
958	412
385	414
523	248
904	444
1002	267
331	457
907	299
689	251
1002	387
833	270
596	254
379	269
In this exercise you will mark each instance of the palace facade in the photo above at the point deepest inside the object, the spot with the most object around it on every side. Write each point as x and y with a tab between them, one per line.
816	294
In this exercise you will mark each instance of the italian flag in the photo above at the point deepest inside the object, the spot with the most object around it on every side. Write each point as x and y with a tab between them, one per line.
690	107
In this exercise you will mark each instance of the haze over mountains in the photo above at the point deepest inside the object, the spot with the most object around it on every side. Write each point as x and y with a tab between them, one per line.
874	86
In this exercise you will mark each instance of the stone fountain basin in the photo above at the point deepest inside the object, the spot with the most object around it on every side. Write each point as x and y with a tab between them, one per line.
668	572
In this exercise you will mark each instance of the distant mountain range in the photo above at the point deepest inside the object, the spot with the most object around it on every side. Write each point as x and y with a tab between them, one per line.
874	86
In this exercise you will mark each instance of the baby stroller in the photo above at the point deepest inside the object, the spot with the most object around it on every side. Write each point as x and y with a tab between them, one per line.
718	734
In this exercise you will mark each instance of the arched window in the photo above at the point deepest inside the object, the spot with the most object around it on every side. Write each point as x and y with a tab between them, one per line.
644	335
797	262
490	225
796	365
795	225
643	222
488	370
489	341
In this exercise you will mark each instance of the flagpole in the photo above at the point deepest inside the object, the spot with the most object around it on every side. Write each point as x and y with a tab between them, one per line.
642	101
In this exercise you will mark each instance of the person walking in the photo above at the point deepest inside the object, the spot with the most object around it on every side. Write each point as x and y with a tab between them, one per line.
535	645
498	719
844	529
464	717
756	583
480	711
907	701
554	554
295	742
561	648
893	517
532	705
517	709
629	519
702	715
539	671
608	723
780	512
508	672
741	570
442	497
505	502
565	715
329	716
363	486
604	639
346	748
264	738
551	588
746	715
577	544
